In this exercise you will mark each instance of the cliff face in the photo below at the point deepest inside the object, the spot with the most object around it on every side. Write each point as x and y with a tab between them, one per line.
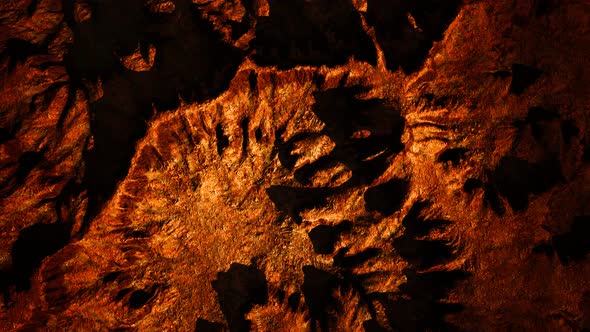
294	165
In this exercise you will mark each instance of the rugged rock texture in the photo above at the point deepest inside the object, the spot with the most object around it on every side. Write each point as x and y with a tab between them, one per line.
295	165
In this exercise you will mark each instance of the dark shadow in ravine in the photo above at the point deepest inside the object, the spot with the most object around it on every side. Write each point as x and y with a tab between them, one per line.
318	287
317	33
238	290
419	305
33	244
570	246
405	30
541	133
324	237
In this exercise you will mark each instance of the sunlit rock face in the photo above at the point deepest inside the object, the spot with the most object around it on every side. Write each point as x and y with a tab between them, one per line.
294	166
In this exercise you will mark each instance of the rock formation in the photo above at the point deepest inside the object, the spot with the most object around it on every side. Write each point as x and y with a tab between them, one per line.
301	165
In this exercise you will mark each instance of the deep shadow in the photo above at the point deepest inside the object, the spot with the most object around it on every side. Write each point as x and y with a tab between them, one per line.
253	81
537	114
33	244
343	261
372	325
244	125
387	197
544	248
544	7
317	33
293	301
424	253
122	293
501	74
238	290
523	76
293	200
111	276
6	133
344	115
569	130
17	51
221	138
471	185
284	149
191	62
140	297
515	179
119	121
573	245
324	237
26	163
403	44
492	199
453	156
317	289
418	306
207	326
540	120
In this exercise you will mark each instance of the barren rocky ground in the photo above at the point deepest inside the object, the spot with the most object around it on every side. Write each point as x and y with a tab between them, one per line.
301	165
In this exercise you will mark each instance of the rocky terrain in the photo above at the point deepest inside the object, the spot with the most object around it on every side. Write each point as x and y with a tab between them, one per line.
302	165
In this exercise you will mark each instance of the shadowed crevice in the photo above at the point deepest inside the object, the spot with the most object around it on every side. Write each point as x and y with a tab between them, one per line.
244	125
405	30
387	197
221	139
284	149
569	131
141	297
348	262
322	32
516	179
471	185
238	290
293	201
33	244
324	237
419	304
523	76
111	276
453	156
541	134
573	245
204	325
318	287
17	51
492	199
345	115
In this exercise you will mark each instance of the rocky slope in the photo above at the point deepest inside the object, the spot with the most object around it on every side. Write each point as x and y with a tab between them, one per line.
305	165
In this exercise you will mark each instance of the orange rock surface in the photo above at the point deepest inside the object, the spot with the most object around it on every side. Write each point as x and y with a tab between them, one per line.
268	165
